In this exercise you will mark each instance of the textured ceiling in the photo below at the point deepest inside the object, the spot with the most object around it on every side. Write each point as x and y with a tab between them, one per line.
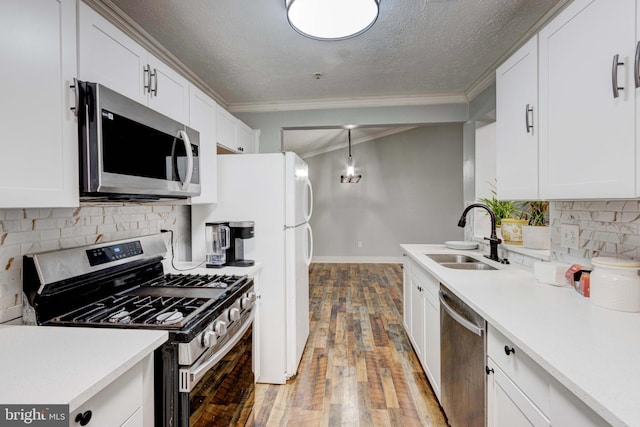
248	54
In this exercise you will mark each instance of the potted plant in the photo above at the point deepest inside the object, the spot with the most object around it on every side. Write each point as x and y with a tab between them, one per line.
512	227
508	220
537	235
501	208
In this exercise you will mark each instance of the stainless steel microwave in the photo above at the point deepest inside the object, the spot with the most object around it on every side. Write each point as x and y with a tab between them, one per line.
131	152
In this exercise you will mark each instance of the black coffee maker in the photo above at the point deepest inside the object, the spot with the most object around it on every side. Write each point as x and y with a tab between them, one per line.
240	231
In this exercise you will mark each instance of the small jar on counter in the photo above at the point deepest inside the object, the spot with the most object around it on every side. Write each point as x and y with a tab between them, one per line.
615	283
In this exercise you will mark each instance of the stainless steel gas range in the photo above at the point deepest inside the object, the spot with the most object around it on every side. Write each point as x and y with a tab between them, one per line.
204	373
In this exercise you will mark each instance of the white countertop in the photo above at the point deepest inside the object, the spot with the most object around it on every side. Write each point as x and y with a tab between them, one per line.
592	351
62	365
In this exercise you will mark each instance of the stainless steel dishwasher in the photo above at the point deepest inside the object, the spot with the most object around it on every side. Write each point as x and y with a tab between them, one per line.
463	359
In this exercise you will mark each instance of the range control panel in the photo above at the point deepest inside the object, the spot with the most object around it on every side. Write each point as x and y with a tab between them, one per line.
111	253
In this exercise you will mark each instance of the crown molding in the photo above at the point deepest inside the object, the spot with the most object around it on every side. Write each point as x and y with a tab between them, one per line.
338	103
342	145
489	76
117	17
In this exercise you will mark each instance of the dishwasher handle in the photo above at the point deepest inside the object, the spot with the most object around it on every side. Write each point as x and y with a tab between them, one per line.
477	330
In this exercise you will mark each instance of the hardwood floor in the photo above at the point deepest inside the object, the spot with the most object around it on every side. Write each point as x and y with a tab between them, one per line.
358	368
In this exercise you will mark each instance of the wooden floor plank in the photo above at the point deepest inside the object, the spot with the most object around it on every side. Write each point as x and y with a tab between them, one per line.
358	368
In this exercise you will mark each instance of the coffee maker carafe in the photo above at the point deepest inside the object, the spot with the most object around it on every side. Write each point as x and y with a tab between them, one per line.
218	242
241	231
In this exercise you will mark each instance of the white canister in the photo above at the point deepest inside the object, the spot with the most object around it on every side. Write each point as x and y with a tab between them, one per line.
615	283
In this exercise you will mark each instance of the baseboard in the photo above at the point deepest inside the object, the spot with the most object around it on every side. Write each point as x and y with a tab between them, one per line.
357	259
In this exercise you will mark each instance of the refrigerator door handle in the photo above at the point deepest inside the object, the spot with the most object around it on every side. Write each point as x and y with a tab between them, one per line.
309	200
309	245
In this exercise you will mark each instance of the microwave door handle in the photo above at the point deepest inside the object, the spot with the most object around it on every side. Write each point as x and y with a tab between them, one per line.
187	146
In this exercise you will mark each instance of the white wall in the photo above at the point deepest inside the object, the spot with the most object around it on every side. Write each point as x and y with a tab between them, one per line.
411	192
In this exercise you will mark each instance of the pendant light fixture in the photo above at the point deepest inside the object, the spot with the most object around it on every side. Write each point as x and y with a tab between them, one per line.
332	19
350	177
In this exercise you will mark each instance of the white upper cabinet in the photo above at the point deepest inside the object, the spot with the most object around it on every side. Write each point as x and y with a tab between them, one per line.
226	129
245	138
517	124
169	91
587	131
39	130
233	135
110	57
202	117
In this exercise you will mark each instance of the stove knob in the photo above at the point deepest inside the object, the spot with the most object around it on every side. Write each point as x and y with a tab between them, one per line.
209	339
248	300
220	329
234	314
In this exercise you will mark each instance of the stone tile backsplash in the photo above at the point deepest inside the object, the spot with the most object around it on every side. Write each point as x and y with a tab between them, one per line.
607	228
25	231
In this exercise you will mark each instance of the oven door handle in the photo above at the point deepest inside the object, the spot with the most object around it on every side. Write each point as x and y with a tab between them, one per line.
189	377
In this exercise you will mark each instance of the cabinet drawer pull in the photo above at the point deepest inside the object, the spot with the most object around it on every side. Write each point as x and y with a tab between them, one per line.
614	76
508	350
528	109
637	66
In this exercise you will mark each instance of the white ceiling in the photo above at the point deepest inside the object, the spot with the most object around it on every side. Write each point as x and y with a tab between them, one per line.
247	53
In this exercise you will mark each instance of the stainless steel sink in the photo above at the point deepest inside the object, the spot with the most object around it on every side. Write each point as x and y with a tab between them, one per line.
468	265
448	258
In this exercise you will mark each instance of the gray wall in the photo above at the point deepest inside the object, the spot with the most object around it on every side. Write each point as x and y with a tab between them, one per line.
411	192
272	123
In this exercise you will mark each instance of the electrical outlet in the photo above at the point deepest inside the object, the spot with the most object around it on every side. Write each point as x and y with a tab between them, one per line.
570	236
359	244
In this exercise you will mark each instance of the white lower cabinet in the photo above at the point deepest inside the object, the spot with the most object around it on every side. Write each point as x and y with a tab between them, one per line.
507	405
127	401
417	318
522	393
422	319
406	294
431	363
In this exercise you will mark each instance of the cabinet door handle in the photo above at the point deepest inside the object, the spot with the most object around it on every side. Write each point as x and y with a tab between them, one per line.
527	111
76	89
147	78
489	370
614	76
636	69
508	350
154	74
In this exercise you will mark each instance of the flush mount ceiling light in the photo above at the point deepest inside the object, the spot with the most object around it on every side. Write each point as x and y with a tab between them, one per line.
332	19
350	177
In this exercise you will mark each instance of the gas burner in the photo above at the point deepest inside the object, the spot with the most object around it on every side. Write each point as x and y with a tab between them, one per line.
138	311
169	318
120	317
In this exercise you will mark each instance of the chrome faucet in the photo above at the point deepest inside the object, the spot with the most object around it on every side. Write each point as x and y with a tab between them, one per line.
494	241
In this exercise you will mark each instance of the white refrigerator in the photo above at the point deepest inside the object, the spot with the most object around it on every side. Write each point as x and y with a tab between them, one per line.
274	191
